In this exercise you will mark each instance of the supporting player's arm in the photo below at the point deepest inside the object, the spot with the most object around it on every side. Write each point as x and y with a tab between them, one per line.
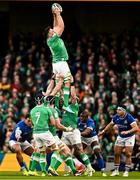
58	86
58	23
50	86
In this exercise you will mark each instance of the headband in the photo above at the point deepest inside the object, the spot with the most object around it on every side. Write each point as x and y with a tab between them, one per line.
121	108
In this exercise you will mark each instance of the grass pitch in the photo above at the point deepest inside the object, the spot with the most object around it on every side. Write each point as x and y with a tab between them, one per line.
97	175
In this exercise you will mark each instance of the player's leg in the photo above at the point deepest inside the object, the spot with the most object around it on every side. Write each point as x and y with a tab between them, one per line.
16	148
34	161
129	144
117	154
39	155
66	89
57	96
128	163
79	153
78	150
28	150
49	141
56	159
65	154
68	138
63	68
97	151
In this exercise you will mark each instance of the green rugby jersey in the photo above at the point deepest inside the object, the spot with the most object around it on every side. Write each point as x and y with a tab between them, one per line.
53	129
40	116
57	48
70	119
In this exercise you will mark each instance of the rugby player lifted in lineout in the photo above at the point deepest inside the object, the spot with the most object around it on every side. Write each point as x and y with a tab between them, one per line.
59	52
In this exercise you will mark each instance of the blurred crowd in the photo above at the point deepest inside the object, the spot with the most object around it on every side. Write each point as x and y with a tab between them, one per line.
106	70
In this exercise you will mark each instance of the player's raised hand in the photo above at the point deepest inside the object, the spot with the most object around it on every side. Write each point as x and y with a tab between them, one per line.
57	6
56	9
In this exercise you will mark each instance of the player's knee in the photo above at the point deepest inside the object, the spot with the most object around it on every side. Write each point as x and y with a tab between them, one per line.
78	150
96	148
64	149
66	154
128	154
42	150
67	81
16	148
54	147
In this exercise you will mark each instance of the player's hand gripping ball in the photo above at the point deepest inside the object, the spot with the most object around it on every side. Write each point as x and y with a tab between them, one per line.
58	6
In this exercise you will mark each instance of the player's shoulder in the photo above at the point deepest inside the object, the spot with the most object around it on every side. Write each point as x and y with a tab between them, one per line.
49	108
129	116
115	116
90	120
55	36
20	124
33	109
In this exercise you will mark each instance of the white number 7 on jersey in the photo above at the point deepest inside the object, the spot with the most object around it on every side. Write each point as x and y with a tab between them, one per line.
38	116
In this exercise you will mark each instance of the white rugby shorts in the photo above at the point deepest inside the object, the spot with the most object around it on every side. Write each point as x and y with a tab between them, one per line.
72	138
62	68
43	139
89	140
24	145
124	142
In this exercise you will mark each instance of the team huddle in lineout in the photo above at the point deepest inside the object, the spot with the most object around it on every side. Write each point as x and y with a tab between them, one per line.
60	134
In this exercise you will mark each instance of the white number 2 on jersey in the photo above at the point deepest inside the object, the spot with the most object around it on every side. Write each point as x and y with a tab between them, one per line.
37	114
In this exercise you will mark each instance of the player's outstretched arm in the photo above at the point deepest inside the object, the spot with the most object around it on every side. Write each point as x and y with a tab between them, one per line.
58	23
107	128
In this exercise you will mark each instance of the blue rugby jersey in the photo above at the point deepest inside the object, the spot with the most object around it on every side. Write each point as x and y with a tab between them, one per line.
124	124
88	124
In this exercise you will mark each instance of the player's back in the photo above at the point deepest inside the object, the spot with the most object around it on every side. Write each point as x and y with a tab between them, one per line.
40	116
53	129
70	119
